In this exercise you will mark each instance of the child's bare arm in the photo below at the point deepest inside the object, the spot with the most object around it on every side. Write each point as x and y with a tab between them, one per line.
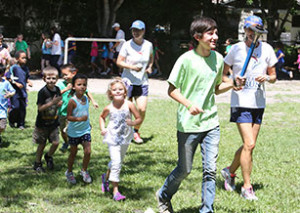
138	120
68	87
95	104
102	120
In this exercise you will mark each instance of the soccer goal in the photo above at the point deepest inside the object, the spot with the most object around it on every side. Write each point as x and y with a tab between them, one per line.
86	39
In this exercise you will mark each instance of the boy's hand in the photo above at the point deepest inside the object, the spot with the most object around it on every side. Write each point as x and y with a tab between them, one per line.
69	86
240	81
56	99
195	110
136	68
103	132
149	70
59	103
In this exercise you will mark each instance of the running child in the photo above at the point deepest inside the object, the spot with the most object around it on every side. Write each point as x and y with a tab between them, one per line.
118	133
46	125
79	128
19	78
7	91
68	72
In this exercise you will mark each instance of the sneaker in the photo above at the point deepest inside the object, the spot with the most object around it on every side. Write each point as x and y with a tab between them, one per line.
137	138
21	127
119	197
86	176
49	161
105	184
70	177
38	167
12	125
291	74
248	194
64	147
229	179
163	206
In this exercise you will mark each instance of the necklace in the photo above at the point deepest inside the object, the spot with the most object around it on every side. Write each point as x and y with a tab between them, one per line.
81	100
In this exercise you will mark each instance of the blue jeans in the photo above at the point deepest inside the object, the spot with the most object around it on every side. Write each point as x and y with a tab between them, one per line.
187	145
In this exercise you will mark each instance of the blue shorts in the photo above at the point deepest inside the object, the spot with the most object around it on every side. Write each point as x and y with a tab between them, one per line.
80	140
137	90
246	115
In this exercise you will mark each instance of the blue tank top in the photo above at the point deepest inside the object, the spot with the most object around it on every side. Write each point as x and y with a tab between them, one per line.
79	128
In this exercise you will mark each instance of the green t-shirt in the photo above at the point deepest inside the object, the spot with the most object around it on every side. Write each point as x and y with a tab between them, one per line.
196	77
65	98
21	46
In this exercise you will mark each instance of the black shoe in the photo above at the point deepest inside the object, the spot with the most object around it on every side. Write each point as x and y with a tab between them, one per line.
12	125
38	167
49	161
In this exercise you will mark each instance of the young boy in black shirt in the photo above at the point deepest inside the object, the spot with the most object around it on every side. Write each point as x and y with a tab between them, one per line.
46	126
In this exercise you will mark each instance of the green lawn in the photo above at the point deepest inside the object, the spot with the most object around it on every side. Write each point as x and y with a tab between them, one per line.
276	170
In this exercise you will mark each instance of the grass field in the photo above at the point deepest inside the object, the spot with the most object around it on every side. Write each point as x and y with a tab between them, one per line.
276	171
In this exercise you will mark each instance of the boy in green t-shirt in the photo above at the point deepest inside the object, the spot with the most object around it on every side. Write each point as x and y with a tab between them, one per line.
20	44
68	72
193	82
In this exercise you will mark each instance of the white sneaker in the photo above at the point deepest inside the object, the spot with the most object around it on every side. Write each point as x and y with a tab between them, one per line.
137	138
163	206
248	194
70	177
86	176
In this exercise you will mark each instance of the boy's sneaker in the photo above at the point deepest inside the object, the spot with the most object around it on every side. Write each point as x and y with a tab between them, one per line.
137	138
38	167
105	184
49	161
118	197
248	194
86	176
163	206
21	127
229	179
70	177
64	147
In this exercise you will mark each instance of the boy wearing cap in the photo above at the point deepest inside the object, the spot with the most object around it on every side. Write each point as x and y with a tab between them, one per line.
248	102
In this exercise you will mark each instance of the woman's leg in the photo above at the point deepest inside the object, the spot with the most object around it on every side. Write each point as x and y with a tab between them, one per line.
141	103
243	157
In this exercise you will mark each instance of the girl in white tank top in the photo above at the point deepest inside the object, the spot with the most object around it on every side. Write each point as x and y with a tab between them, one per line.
118	133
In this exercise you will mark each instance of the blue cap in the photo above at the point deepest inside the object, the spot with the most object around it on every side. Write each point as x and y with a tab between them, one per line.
138	25
253	21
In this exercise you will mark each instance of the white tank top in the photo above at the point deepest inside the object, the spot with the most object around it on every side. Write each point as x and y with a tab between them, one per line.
118	132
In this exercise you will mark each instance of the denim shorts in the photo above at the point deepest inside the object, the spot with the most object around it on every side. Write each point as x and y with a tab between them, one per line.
246	115
137	90
79	140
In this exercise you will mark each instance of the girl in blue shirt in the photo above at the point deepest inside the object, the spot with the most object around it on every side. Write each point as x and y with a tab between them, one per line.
79	128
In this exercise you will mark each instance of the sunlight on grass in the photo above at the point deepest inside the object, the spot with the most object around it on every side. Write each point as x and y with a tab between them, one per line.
275	173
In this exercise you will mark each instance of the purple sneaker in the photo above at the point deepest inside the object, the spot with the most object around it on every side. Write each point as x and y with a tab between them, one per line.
118	197
105	184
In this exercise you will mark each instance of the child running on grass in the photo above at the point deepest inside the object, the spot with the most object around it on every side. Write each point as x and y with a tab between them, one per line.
118	133
46	125
79	128
7	91
68	72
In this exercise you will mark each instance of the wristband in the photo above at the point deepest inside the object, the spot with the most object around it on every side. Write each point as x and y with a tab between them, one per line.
189	106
